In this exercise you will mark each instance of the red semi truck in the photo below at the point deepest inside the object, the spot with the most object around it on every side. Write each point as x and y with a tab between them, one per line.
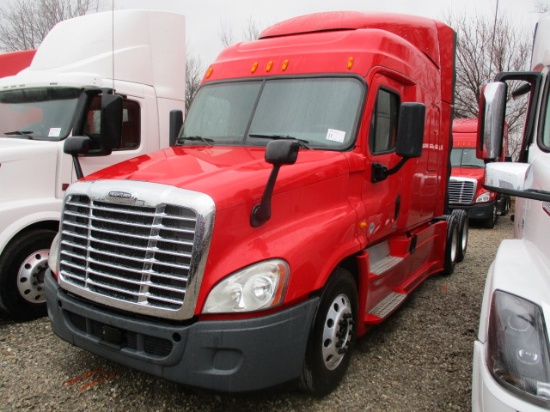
466	190
304	202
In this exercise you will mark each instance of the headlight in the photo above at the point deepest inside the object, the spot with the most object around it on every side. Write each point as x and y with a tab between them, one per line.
483	198
256	287
518	352
53	259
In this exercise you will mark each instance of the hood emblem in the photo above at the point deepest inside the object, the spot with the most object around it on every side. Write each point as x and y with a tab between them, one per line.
120	196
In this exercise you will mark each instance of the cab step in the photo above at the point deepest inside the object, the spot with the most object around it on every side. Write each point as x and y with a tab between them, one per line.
381	260
387	305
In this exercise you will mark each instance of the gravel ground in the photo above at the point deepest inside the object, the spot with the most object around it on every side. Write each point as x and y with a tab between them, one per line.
418	360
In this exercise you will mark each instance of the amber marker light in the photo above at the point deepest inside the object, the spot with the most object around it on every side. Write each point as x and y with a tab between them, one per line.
254	67
285	65
350	63
269	66
209	72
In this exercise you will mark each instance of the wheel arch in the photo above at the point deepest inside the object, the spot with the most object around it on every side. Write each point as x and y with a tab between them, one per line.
50	224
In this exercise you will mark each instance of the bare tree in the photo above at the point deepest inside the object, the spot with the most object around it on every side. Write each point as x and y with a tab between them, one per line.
485	48
25	23
250	32
226	34
193	76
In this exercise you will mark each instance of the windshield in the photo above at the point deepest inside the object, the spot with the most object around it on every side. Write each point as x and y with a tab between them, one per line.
465	157
320	112
37	113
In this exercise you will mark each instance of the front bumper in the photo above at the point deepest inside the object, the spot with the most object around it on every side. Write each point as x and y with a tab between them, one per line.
229	356
482	211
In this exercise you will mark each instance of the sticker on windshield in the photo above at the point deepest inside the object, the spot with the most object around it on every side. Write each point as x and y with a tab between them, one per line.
55	132
336	135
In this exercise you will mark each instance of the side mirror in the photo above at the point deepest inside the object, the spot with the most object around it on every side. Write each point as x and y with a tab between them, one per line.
282	152
176	122
410	130
76	146
277	153
410	138
111	124
491	123
514	179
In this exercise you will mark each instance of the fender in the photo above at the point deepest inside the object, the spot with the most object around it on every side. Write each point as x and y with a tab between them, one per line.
18	215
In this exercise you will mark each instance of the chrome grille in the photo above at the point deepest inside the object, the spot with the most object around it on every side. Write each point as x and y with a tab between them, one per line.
462	192
135	255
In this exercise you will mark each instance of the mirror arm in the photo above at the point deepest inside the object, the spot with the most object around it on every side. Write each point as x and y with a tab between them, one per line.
381	172
261	213
77	167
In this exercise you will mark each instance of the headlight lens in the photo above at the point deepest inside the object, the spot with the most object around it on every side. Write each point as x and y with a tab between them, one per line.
483	198
256	287
518	352
53	259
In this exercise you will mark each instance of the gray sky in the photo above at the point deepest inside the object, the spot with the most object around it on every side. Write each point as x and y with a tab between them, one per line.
204	19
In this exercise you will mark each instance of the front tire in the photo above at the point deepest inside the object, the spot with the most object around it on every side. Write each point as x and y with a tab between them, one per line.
461	217
332	337
492	221
451	246
23	265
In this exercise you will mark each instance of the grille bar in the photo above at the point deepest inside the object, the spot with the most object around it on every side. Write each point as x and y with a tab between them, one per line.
462	191
138	254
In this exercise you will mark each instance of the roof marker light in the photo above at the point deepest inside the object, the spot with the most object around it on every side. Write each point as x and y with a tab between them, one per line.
209	72
285	65
269	66
254	67
350	63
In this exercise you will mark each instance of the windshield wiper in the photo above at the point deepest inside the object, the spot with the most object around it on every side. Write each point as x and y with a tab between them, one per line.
303	143
208	142
19	133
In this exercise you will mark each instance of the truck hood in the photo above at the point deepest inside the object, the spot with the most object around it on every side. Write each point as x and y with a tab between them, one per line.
28	168
230	175
476	173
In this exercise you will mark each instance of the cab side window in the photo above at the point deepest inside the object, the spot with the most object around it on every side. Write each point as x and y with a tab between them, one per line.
131	123
383	128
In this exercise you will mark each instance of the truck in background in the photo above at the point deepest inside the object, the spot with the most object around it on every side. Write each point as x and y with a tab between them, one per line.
304	202
466	190
137	54
13	62
511	364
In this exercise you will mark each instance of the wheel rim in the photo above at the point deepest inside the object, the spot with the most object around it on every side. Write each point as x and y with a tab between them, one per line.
464	239
337	332
30	278
454	244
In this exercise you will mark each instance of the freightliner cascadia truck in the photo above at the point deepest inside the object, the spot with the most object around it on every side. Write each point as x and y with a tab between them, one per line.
141	55
466	190
303	203
511	366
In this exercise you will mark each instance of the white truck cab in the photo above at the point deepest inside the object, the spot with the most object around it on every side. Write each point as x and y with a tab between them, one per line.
511	365
136	55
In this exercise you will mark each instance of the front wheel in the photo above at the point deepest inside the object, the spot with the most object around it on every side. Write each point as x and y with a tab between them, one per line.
461	217
490	222
23	265
451	246
332	336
